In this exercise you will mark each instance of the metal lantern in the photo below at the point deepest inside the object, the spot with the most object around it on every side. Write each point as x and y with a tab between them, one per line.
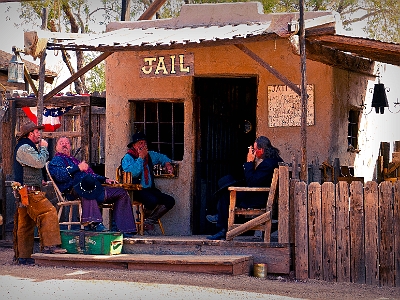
16	70
379	99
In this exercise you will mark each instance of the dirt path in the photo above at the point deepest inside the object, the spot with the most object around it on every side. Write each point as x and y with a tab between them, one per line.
273	285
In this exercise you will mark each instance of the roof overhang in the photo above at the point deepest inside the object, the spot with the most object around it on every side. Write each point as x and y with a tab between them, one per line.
213	28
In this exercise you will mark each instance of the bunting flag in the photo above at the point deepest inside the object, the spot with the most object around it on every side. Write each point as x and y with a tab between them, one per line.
51	116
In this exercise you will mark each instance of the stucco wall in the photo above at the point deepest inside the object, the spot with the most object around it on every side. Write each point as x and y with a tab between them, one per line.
124	83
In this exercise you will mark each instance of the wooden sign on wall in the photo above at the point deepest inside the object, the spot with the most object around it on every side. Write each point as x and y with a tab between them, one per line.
284	106
167	65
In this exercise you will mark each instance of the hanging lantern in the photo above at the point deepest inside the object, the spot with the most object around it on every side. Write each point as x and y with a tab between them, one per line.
16	70
379	99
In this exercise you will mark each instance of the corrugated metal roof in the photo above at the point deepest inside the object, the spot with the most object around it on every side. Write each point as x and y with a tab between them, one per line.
162	37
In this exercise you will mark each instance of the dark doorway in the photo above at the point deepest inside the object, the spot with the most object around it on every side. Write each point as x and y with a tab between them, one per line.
225	121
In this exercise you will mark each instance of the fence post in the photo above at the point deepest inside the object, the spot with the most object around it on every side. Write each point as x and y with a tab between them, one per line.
371	233
315	230
343	231
329	230
357	251
301	231
386	250
396	230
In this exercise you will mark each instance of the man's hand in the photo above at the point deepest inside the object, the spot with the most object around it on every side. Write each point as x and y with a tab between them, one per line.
250	154
169	168
110	181
43	143
83	166
143	152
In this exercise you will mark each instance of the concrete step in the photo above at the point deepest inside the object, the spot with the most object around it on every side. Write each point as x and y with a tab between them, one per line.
211	264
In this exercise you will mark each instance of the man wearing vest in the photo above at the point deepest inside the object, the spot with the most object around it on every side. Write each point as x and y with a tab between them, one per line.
33	208
139	161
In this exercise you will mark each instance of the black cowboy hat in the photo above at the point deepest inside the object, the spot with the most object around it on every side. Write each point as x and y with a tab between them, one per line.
224	182
139	136
26	128
89	188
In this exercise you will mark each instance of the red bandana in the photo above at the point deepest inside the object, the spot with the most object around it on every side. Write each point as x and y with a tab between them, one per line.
133	152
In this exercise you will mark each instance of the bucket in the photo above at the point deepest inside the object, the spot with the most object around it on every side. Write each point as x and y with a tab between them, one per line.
260	270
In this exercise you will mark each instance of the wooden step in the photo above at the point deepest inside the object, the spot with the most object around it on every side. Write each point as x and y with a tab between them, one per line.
211	264
275	255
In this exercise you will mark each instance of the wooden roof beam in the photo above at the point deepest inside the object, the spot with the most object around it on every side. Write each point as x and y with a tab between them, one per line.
267	66
336	58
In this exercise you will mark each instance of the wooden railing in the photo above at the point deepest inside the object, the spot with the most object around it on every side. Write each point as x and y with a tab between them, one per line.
347	232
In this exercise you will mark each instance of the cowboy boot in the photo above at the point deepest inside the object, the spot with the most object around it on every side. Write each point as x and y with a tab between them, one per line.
156	214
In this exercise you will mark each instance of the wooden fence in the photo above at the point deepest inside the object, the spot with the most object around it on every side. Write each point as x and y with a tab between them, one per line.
347	232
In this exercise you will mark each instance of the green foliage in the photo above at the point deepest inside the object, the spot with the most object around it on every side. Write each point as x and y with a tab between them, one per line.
96	77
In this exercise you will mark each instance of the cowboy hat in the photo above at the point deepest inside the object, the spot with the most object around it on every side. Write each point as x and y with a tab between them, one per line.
90	188
224	182
26	128
139	136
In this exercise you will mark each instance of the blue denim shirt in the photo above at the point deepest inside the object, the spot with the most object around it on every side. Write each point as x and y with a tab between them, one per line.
135	166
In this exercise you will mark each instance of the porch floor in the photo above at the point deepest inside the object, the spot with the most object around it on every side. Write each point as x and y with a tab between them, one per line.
184	254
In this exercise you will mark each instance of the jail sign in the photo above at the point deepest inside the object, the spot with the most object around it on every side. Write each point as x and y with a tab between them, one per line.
284	106
167	65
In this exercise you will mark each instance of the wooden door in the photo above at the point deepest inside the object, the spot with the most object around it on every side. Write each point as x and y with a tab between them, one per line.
226	126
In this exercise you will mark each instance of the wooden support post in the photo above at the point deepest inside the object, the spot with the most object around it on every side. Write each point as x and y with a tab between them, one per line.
86	132
8	139
42	73
304	96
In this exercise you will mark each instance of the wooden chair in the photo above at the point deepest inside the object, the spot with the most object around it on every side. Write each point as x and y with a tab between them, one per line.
63	203
138	207
261	219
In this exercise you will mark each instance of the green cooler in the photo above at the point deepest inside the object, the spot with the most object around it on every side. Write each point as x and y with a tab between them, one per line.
88	242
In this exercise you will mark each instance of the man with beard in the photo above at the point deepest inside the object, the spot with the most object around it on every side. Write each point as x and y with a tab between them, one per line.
33	208
75	179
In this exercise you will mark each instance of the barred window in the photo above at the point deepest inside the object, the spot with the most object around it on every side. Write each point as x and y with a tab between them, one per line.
162	122
352	135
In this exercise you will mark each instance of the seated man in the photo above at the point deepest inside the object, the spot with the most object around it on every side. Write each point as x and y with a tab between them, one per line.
139	161
258	172
75	177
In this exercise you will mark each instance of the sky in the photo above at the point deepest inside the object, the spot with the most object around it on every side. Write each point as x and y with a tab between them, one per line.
12	35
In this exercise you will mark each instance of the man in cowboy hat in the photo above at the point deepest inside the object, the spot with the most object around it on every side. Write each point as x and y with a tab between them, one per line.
76	177
139	161
262	159
30	157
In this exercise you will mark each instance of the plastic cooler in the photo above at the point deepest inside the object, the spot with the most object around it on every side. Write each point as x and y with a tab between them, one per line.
87	242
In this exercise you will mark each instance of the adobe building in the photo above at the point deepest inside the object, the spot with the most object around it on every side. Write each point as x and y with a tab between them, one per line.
202	86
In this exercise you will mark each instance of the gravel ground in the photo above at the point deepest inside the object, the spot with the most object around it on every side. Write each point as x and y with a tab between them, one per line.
153	284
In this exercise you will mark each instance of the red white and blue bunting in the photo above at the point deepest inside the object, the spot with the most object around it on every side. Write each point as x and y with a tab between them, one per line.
51	116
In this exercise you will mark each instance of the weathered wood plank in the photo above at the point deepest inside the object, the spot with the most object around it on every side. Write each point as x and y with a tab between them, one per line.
343	232
7	141
329	232
371	233
396	230
386	251
212	264
314	231
292	224
301	235
283	205
266	217
357	261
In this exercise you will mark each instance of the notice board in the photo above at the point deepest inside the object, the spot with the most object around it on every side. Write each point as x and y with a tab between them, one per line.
284	106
